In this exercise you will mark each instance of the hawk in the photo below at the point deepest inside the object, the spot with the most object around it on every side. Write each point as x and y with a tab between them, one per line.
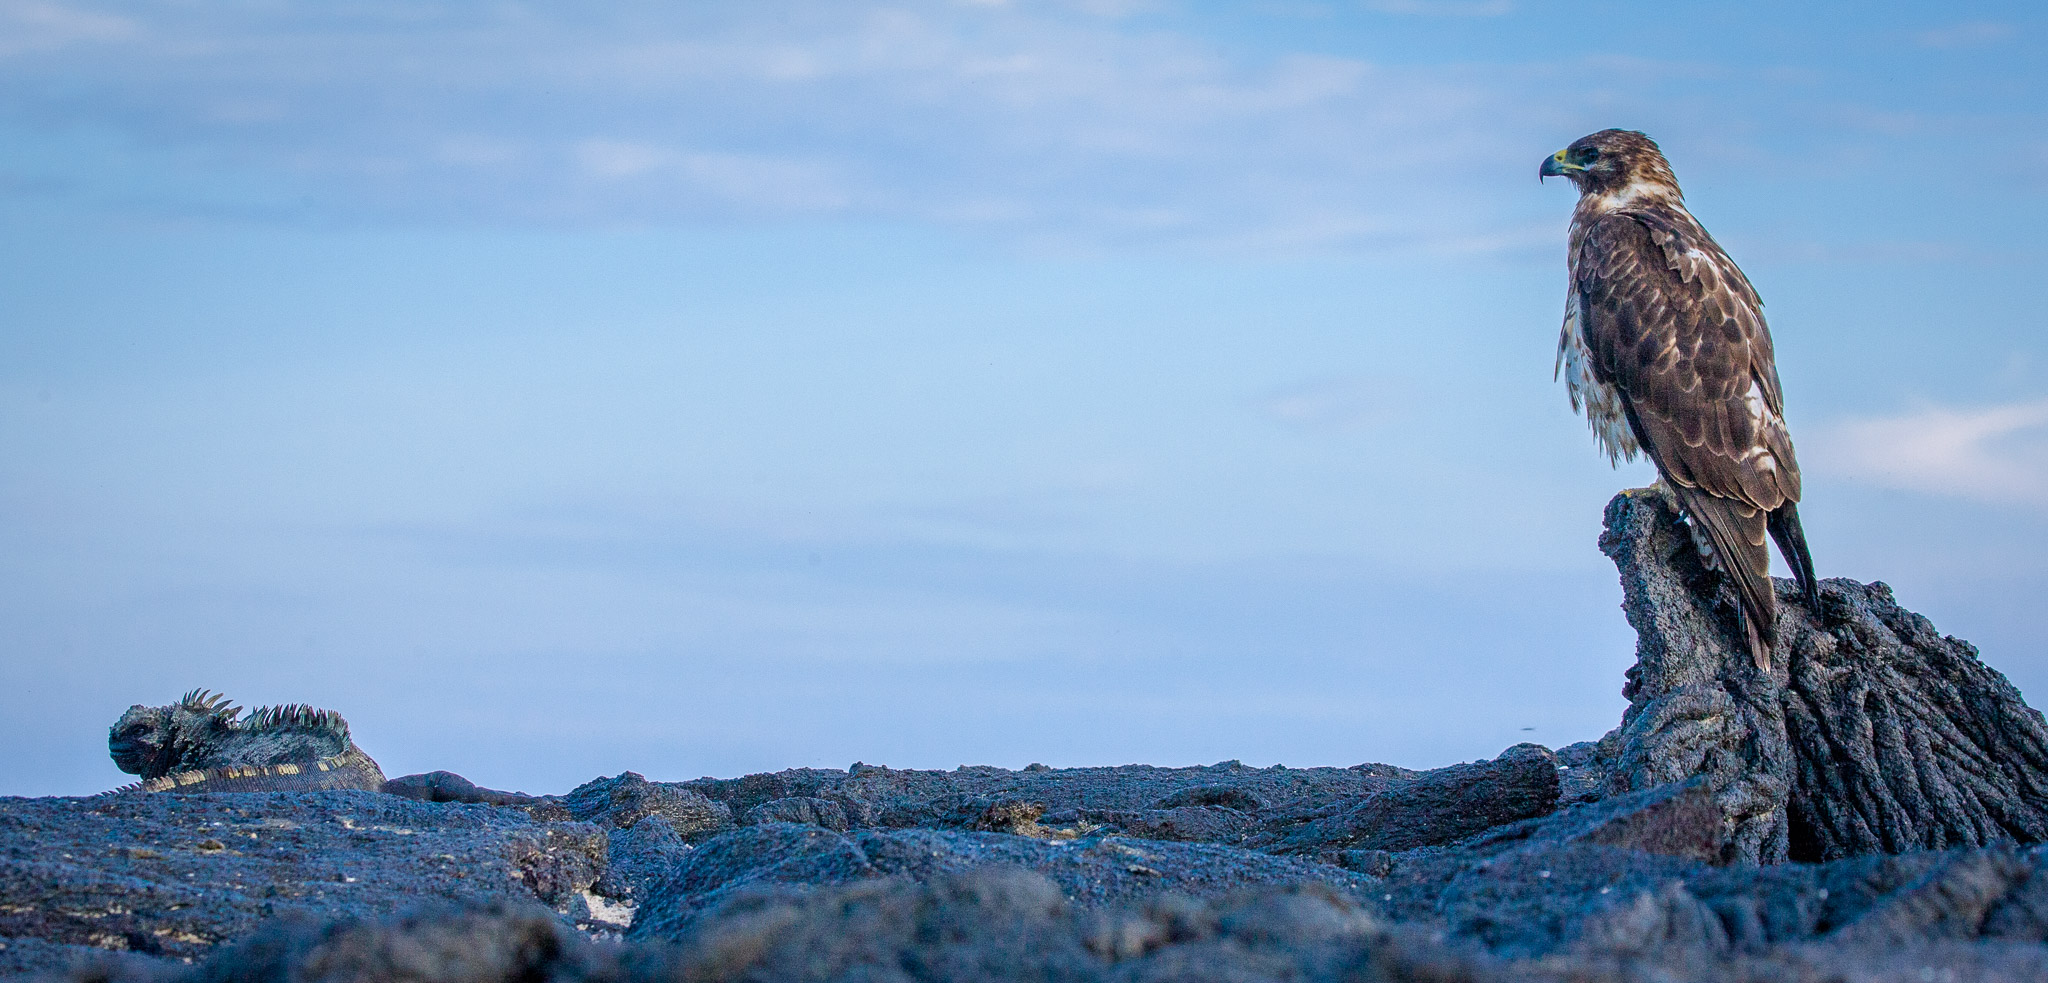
1665	349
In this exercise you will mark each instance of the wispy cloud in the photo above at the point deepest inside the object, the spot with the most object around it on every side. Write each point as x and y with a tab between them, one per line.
1887	253
1039	121
1443	8
1991	454
1969	34
1336	404
1056	122
38	25
768	182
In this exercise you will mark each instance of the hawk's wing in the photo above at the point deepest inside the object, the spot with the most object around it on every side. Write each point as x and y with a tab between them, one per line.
1675	326
1678	331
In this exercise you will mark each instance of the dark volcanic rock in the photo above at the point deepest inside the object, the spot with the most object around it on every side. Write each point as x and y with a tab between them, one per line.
1586	880
1582	768
994	924
447	786
1950	901
468	943
990	814
1092	871
983	925
1224	796
1006	924
1870	733
1629	887
621	801
802	809
640	857
1903	739
877	796
172	876
1677	820
1188	824
1435	807
1000	924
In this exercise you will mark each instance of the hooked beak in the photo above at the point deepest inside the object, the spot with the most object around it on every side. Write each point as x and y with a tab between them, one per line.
1556	166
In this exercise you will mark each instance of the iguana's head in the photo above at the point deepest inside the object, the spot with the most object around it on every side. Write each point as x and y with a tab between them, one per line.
155	741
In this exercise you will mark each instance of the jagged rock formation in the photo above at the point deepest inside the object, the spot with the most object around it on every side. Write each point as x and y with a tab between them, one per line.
1872	733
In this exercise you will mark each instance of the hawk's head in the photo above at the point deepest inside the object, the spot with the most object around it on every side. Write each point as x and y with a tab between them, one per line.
1611	162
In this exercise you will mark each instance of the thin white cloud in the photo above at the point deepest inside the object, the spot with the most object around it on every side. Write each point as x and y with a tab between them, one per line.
1333	405
1039	122
1969	34
477	151
759	180
40	25
1443	8
620	158
1020	119
1049	121
1993	454
1098	8
1881	253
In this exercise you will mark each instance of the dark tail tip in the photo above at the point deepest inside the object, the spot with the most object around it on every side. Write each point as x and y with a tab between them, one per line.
1791	537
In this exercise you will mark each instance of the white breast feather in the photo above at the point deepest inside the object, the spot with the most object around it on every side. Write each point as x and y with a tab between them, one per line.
1767	422
1600	402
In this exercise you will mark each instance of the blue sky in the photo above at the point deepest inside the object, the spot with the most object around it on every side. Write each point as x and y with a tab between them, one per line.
556	390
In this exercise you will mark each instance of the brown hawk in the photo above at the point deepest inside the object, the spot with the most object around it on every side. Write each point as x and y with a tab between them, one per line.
1665	348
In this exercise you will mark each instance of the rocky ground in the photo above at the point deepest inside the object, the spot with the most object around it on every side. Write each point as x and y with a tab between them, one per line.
1869	809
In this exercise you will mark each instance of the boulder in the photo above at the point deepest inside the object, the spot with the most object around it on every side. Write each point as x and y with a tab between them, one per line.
625	799
1434	807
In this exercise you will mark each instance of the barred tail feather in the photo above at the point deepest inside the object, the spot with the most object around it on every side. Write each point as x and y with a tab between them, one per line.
1737	533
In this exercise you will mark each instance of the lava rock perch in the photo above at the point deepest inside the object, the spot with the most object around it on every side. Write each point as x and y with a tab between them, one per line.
1872	733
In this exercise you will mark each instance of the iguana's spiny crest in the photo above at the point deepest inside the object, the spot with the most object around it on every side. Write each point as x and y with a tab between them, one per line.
205	730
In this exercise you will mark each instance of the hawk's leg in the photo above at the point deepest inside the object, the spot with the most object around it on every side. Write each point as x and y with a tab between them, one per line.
1661	492
1657	490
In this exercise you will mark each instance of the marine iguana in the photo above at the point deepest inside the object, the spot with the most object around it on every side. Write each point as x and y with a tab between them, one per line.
202	743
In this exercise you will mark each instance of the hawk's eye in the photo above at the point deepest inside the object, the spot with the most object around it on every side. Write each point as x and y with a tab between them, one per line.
1589	154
